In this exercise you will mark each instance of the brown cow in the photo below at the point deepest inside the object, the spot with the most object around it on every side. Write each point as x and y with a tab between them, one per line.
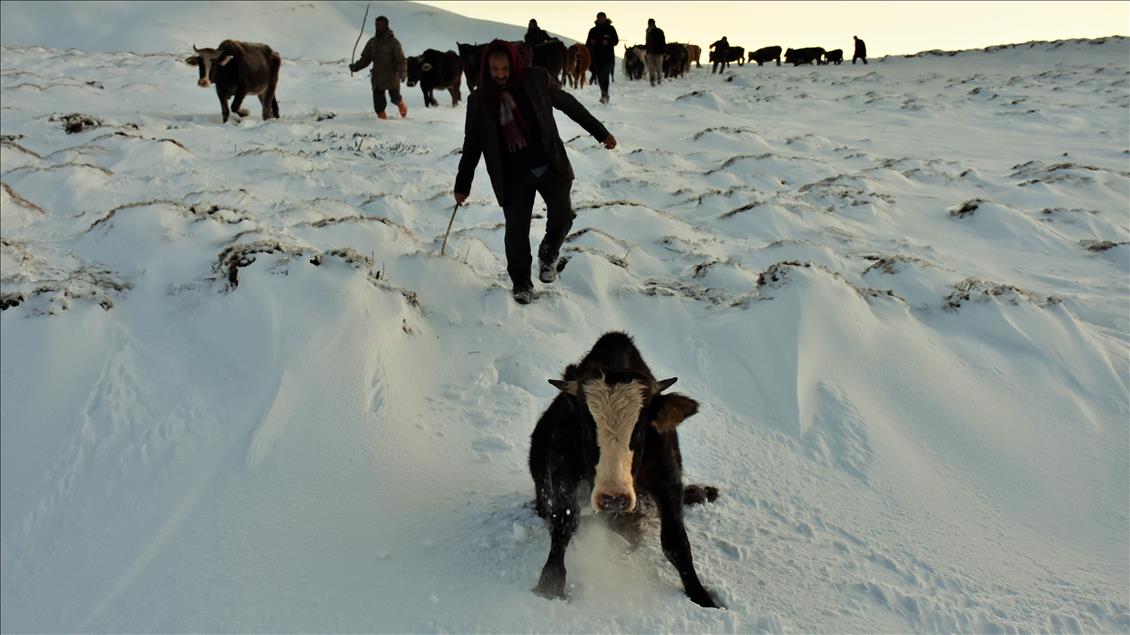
238	69
577	62
694	52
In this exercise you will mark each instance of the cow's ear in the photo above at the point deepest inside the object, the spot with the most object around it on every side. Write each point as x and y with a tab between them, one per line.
672	410
568	387
227	58
192	61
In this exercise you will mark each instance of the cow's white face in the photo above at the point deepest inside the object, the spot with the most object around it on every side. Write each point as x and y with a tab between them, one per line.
616	410
620	410
207	60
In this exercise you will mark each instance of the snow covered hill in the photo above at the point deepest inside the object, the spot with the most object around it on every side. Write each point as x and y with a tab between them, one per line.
309	30
241	392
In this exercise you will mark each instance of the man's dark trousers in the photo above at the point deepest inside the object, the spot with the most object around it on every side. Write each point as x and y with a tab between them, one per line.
521	185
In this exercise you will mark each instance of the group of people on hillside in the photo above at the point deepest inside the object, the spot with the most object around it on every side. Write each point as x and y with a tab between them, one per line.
510	125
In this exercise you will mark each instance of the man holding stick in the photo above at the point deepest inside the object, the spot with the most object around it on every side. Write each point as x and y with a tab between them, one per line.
390	68
510	123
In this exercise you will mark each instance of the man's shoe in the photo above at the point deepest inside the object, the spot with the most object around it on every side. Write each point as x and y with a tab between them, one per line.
382	115
523	296
548	273
403	108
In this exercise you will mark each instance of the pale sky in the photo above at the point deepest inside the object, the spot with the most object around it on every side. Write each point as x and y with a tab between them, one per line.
887	27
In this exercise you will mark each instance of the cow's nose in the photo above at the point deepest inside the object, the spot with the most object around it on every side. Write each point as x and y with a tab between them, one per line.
613	502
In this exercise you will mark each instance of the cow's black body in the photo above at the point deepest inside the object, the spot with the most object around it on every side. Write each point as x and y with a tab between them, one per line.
550	55
767	54
810	55
472	56
674	60
436	69
238	69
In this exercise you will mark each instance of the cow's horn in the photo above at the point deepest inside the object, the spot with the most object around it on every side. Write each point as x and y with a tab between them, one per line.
660	386
426	67
195	49
565	386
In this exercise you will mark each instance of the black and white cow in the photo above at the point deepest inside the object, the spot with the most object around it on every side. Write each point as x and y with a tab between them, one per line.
239	69
435	69
612	427
635	61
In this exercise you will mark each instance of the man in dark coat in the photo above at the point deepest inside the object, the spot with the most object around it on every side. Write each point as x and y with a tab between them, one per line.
535	35
510	124
860	50
655	45
390	68
602	41
721	55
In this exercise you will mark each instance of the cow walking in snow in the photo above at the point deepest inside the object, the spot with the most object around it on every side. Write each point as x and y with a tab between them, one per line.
239	69
435	69
577	62
766	54
612	427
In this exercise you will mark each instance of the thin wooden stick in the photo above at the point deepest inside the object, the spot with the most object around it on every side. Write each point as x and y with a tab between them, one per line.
443	246
353	55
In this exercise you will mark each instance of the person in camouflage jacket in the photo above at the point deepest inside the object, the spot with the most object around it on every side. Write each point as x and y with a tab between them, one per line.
390	68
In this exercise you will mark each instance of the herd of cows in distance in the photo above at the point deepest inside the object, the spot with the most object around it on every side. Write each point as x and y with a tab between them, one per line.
445	70
238	69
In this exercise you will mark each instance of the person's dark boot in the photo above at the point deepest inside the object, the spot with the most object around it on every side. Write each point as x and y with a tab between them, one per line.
523	296
547	271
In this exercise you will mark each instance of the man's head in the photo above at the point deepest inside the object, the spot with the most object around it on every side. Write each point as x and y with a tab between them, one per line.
601	18
533	23
651	21
499	67
382	24
499	64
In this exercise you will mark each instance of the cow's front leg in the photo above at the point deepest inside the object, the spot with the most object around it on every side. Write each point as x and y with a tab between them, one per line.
676	546
237	103
223	104
562	516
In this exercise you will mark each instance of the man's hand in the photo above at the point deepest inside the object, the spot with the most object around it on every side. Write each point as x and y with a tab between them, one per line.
460	197
609	141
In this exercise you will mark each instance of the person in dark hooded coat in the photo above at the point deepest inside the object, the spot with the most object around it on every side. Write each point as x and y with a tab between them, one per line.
535	35
510	124
602	41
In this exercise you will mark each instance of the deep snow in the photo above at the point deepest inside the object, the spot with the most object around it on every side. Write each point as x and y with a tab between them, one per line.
242	392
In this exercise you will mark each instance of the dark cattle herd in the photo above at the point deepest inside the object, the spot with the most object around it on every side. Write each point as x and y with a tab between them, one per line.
238	69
